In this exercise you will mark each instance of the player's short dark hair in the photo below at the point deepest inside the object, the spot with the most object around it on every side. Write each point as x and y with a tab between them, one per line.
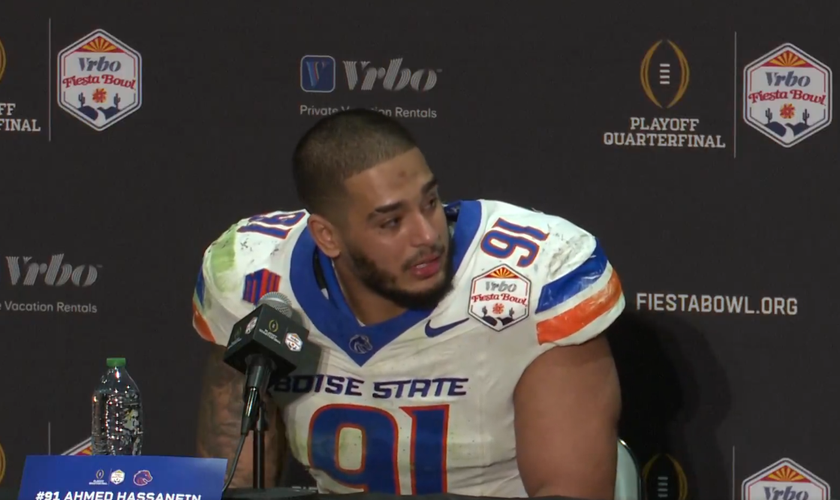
340	146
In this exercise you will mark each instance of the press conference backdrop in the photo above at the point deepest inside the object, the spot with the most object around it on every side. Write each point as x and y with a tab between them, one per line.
698	144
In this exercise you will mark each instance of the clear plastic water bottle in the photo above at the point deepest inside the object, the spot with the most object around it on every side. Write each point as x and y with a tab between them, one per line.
117	413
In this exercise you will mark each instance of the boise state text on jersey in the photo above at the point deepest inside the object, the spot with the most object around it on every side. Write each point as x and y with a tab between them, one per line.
422	403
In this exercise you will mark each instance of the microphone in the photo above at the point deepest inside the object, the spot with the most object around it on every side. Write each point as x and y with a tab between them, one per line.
266	345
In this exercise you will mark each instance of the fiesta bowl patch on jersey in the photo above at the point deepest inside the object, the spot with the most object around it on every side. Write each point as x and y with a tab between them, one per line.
500	298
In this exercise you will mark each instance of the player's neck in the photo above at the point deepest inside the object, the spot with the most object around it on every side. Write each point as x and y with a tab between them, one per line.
369	307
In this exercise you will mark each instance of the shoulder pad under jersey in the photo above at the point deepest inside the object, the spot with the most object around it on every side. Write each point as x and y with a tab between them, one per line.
241	266
573	294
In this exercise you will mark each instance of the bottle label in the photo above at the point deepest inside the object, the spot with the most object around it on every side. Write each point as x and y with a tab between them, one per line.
131	422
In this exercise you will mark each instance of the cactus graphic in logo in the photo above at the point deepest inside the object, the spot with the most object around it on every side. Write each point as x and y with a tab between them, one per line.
787	95
99	80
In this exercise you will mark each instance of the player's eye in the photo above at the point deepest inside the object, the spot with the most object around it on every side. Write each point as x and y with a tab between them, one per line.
432	203
390	223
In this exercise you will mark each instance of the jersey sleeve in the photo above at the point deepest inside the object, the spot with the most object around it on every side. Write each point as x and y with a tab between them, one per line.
238	268
579	294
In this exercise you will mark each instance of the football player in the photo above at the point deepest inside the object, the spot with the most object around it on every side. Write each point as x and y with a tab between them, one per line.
461	345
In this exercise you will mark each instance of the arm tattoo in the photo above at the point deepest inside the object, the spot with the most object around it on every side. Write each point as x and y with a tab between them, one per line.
221	408
219	422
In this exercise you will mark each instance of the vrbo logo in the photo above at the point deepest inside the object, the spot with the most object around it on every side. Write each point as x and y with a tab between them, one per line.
318	75
421	80
495	286
25	271
102	64
775	79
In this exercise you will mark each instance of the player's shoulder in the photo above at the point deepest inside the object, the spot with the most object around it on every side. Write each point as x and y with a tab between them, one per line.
555	271
258	244
538	244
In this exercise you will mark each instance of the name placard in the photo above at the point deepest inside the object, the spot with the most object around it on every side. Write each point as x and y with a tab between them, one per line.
103	477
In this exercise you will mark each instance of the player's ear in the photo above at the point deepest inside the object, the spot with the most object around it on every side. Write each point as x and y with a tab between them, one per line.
325	235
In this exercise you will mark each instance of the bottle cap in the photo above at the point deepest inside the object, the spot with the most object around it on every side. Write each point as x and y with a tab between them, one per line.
115	362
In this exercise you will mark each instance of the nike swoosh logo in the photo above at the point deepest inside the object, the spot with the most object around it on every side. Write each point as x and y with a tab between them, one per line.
434	332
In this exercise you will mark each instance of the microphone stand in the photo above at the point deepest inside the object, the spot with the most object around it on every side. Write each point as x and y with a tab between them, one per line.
259	445
254	419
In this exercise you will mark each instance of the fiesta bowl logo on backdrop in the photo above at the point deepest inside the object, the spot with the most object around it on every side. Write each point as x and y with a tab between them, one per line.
787	95
99	80
785	480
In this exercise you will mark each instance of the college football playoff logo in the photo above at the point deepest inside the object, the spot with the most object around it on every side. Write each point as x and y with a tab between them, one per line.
664	478
664	74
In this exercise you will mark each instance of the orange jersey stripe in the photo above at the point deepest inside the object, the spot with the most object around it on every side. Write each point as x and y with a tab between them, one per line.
572	321
201	325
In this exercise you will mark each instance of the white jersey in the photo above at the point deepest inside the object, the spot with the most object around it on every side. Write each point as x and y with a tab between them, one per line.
422	403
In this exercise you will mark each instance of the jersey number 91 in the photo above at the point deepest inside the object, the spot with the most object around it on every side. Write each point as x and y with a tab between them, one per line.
382	464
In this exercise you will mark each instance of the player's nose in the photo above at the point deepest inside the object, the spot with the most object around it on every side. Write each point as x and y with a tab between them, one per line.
423	233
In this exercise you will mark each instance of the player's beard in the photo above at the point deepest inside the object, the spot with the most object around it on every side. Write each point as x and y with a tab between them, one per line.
384	283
